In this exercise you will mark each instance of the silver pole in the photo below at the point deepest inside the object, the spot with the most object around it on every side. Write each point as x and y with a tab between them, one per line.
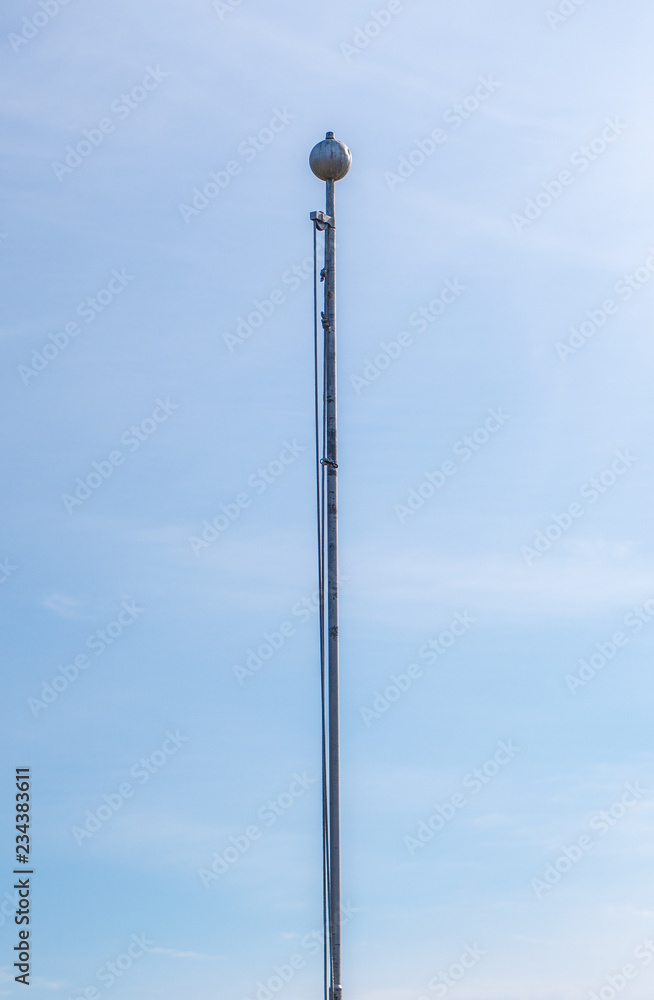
330	161
332	593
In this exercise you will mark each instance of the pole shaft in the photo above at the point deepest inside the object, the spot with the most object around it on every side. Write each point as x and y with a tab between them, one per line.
332	595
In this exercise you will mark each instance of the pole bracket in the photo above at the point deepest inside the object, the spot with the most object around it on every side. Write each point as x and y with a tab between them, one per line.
322	220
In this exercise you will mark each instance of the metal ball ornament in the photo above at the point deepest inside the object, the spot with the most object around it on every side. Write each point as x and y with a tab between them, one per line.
330	159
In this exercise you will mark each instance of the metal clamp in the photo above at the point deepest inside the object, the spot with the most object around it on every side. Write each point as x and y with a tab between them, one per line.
322	220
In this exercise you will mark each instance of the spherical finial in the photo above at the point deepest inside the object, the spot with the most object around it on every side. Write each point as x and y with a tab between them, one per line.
330	159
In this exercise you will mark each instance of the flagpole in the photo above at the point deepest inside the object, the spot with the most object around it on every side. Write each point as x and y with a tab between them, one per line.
330	161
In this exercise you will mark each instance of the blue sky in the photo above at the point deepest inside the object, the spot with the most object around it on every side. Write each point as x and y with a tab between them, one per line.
494	467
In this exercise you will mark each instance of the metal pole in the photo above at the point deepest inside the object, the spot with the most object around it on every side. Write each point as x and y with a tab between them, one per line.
330	161
332	593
